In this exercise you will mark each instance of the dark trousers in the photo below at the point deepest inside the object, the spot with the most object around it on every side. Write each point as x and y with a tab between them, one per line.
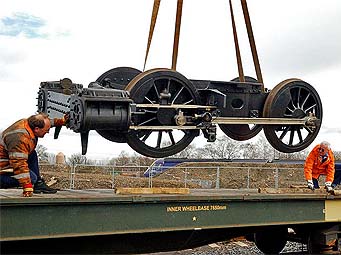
316	183
8	181
337	178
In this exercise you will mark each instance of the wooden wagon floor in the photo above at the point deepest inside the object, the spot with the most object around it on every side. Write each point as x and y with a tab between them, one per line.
6	194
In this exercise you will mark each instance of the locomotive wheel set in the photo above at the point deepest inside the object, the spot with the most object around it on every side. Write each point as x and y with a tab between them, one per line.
159	112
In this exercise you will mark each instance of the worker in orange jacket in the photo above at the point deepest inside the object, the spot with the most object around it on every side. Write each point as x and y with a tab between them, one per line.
18	158
320	161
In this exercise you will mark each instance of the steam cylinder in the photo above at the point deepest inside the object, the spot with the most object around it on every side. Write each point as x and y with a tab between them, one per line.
99	112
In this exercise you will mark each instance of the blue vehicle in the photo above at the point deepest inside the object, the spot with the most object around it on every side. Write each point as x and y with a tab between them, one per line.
161	165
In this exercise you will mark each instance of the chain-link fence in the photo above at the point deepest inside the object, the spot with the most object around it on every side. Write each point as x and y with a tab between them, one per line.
226	176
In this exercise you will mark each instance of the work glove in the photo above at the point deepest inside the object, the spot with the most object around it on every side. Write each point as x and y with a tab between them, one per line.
66	119
28	190
328	186
310	184
59	122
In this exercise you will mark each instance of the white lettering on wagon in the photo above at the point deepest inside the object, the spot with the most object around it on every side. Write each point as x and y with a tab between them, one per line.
195	208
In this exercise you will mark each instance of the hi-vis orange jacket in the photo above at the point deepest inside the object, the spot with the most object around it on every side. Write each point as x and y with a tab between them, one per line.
313	166
16	143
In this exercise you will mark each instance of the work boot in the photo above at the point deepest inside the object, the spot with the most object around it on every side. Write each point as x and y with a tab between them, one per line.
41	187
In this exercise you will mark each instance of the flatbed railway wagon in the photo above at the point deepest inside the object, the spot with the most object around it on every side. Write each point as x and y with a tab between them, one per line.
117	221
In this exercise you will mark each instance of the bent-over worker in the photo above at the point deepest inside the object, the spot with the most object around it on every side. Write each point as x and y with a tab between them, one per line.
18	158
320	161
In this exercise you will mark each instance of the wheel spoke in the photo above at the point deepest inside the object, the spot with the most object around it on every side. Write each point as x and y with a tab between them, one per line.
141	124
309	108
176	96
304	101
308	130
290	110
292	133
298	97
171	137
188	102
159	139
285	131
292	101
150	101
157	92
299	135
145	137
168	85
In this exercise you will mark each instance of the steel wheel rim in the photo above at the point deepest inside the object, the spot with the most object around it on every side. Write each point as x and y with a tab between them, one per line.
146	88
301	99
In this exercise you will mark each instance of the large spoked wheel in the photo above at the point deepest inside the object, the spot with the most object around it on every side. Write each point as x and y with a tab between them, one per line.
271	241
292	98
116	78
241	132
164	87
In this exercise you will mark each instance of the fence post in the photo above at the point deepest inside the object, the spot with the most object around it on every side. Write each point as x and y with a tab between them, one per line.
248	178
276	178
113	177
150	177
72	176
217	184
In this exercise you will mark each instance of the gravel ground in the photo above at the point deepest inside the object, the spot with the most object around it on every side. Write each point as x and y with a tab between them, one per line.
232	247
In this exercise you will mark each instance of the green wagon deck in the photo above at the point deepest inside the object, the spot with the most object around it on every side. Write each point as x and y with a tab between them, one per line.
71	213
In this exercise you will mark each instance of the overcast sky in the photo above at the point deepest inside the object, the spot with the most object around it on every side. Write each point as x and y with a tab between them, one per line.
49	40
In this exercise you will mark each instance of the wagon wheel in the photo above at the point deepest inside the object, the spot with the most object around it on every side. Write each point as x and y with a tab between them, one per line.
116	78
241	132
292	98
160	86
271	241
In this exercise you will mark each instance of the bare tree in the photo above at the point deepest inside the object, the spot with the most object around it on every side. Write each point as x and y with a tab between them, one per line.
42	153
223	147
265	149
123	159
77	159
141	160
112	162
301	155
51	158
191	151
251	150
